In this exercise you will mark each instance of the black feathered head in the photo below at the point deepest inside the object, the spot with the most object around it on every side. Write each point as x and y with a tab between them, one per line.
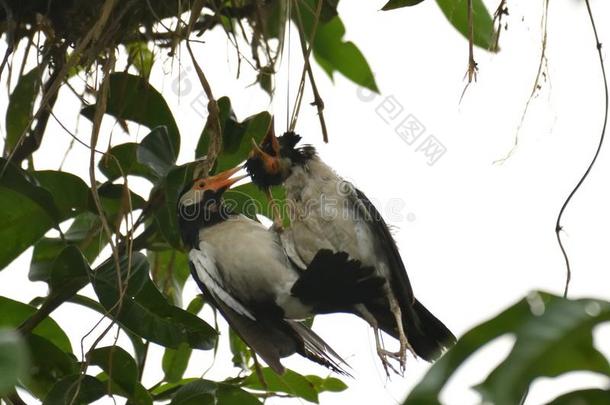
271	163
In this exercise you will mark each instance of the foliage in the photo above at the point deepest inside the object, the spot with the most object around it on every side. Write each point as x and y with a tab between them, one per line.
70	225
553	336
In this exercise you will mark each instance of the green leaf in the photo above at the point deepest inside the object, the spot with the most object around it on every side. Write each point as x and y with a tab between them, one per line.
132	98
86	233
166	391
542	324
142	58
70	193
28	213
236	136
241	352
14	313
203	392
49	364
14	359
170	270
250	200
157	152
123	160
456	12
175	362
144	310
584	397
332	53
87	389
328	384
394	4
290	382
69	272
21	105
120	367
140	396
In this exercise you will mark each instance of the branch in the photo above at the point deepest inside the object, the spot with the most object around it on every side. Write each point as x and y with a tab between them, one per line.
558	227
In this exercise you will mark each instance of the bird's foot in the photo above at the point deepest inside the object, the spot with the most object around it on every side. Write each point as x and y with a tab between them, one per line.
386	356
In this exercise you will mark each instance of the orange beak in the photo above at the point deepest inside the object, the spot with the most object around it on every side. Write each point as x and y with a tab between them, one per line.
271	163
220	181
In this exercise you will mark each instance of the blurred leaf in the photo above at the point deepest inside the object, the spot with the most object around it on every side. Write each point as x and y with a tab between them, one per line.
132	98
140	396
123	160
86	388
202	392
394	4
120	367
456	12
156	152
328	384
236	136
14	359
141	57
21	105
290	383
69	271
241	352
584	397
166	391
543	324
249	200
49	364
14	313
332	53
115	200
144	310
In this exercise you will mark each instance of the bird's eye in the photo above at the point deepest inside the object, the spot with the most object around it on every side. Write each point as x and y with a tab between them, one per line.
200	185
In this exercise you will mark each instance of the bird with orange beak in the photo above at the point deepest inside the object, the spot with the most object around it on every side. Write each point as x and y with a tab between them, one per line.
327	212
243	271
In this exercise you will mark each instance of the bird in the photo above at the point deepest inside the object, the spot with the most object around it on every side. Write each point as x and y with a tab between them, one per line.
243	271
327	212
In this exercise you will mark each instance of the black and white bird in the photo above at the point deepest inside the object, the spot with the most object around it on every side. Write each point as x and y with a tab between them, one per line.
327	212
244	272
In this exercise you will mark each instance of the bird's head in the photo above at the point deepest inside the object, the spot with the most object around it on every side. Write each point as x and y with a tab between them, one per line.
271	162
201	201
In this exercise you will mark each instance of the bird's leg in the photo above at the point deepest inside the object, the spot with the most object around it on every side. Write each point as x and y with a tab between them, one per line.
277	218
381	351
401	355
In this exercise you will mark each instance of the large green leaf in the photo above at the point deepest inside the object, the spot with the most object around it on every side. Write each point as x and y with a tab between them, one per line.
21	105
86	233
145	311
118	365
543	325
141	57
250	200
456	12
242	355
14	313
140	396
122	160
331	51
49	364
157	152
170	270
14	359
76	390
203	392
236	136
132	98
70	193
28	213
69	272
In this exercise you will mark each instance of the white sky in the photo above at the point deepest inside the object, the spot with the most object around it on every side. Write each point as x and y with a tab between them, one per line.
475	236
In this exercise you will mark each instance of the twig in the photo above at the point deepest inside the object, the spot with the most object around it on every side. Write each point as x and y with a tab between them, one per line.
500	12
318	102
541	68
472	70
213	110
558	227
